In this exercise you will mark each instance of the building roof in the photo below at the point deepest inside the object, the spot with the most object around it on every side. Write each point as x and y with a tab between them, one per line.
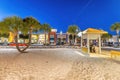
94	31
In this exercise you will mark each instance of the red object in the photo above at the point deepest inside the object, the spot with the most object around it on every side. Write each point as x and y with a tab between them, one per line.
20	44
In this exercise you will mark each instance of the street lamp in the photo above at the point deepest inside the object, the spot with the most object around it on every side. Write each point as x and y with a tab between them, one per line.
117	31
61	37
118	36
77	30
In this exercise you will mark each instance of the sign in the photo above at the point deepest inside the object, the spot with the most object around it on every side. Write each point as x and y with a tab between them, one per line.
54	30
61	36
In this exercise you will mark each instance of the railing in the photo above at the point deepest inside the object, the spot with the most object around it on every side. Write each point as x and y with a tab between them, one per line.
51	46
114	54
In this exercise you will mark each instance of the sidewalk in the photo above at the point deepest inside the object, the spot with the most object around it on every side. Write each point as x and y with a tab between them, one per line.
110	48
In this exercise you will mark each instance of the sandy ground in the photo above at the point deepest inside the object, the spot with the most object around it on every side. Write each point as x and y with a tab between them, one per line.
55	64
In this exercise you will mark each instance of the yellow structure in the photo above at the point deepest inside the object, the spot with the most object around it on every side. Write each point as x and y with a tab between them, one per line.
11	37
114	54
91	34
35	37
42	38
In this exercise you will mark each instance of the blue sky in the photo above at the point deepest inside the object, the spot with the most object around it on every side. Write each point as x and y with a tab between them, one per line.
100	14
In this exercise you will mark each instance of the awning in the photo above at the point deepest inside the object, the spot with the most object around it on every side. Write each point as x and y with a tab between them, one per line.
79	34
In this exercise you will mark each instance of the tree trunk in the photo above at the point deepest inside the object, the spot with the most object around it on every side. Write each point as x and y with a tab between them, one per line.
24	41
37	38
17	45
73	39
30	35
45	37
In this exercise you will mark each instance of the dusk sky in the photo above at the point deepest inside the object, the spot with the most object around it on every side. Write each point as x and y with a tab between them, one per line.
99	14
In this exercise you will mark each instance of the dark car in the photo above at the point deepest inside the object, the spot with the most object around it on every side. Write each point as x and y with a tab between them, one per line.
58	43
1	44
110	44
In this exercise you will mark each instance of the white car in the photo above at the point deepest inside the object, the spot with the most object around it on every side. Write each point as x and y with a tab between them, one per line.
116	44
36	44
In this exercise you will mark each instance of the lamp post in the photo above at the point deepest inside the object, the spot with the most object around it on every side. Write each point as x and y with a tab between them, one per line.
117	37
19	32
77	31
61	37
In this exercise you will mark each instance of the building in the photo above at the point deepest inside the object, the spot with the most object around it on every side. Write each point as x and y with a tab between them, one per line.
37	38
40	37
115	38
52	37
3	40
62	38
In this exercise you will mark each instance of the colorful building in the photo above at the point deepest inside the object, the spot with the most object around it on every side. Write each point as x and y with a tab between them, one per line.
52	37
40	37
62	38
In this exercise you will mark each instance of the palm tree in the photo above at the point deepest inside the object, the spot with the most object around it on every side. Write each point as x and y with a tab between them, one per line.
106	37
24	37
31	24
72	30
116	27
15	24
4	35
46	27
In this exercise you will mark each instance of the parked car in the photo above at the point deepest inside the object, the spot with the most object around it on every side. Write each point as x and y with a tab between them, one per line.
110	44
1	44
105	44
20	44
58	43
116	44
36	44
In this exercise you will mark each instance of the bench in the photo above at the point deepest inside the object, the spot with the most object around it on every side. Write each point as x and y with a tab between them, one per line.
115	53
